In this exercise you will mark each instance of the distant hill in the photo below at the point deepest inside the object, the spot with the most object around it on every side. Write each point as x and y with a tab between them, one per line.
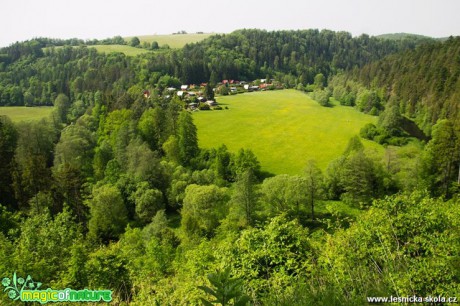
174	41
425	81
401	36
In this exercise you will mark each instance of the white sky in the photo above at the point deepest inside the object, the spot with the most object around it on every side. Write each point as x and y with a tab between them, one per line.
25	19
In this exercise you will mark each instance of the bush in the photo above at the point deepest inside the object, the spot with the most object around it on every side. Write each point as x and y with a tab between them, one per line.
369	131
204	106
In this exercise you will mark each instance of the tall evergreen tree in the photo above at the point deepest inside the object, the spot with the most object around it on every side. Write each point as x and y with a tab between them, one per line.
442	158
8	141
187	138
245	195
314	184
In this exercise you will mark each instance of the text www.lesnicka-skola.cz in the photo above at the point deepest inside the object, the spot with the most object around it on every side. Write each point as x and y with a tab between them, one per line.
411	299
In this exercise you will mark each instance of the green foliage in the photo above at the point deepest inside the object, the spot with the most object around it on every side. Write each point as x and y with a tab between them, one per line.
62	105
369	101
148	202
76	275
187	138
8	221
75	150
369	131
222	90
152	127
32	157
270	258
203	208
134	42
44	246
322	96
441	159
285	194
359	179
171	149
8	142
143	164
243	161
314	185
390	120
246	196
319	81
391	248
354	145
106	268
426	94
356	177
222	163
208	92
108	213
226	290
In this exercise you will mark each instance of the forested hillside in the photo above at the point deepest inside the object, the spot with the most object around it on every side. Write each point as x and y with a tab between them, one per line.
112	190
300	55
35	72
423	83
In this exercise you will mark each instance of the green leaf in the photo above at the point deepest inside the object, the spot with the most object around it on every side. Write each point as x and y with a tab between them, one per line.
208	290
242	301
206	303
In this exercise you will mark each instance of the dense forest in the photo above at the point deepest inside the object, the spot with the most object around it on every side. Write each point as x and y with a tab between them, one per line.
34	72
112	191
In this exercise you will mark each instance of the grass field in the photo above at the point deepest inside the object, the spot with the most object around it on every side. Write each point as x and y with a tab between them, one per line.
127	50
174	41
284	128
22	113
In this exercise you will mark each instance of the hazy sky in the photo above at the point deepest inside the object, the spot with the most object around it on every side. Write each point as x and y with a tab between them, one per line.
25	19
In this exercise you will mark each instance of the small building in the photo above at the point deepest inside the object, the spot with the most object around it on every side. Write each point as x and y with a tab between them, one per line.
191	93
246	86
170	89
184	87
180	93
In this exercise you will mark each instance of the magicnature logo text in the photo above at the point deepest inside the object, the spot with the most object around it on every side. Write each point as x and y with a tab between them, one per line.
27	290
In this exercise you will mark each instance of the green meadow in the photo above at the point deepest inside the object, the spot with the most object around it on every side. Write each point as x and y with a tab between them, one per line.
283	128
22	113
174	41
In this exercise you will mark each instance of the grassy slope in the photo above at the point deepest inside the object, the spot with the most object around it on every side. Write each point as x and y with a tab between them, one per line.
21	113
283	128
174	41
